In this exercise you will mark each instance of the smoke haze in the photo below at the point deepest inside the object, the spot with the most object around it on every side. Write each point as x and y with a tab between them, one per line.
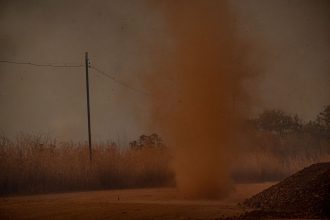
124	38
293	53
52	101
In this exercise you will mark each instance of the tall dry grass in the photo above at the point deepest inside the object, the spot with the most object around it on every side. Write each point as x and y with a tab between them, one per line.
264	156
34	164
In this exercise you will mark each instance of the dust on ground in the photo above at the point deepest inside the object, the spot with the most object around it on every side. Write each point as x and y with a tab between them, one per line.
157	203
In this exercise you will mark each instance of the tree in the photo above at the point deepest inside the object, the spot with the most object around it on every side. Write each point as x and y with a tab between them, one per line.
278	122
152	141
323	122
323	118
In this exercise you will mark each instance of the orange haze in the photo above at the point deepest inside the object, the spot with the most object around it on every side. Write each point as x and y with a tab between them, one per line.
198	95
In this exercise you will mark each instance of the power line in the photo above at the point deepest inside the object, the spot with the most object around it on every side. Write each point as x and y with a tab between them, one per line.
98	70
41	65
110	76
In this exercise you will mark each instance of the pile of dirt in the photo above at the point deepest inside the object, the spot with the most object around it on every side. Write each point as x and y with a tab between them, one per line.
304	194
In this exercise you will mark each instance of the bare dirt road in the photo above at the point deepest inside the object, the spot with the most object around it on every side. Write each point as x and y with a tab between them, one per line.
159	203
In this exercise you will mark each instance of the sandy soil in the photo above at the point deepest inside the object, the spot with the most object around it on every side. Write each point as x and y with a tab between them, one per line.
159	203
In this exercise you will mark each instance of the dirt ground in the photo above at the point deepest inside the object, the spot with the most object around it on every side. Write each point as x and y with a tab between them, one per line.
157	203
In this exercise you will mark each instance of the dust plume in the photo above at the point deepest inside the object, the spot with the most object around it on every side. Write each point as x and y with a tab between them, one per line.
198	94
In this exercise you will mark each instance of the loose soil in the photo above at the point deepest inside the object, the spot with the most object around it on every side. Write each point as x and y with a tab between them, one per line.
305	194
158	203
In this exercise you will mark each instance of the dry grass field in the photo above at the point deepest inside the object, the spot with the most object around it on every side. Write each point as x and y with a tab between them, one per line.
38	164
45	179
156	203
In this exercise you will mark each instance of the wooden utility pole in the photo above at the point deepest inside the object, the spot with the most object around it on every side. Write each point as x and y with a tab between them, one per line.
88	108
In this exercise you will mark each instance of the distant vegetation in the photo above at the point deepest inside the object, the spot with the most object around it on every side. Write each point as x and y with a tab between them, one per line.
145	141
277	144
35	164
281	123
271	146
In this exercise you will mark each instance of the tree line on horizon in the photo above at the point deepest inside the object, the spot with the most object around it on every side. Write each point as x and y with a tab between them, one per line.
281	123
277	122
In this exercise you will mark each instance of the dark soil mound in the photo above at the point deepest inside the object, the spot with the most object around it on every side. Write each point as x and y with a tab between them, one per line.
306	193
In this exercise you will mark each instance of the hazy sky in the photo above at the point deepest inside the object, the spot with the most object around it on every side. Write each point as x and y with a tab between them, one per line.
291	48
293	40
